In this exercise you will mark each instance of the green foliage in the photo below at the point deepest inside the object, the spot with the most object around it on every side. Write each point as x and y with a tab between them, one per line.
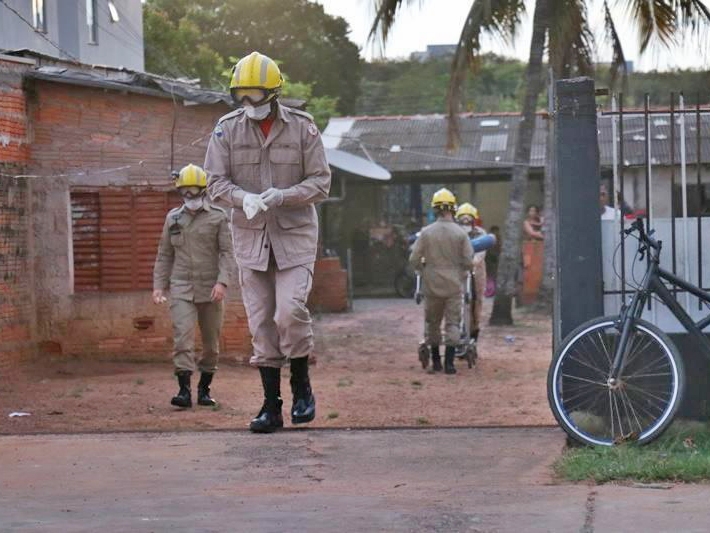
321	107
412	87
313	47
681	454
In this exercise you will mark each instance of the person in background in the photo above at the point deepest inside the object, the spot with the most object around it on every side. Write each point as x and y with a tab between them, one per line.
468	218
442	254
195	262
492	263
532	225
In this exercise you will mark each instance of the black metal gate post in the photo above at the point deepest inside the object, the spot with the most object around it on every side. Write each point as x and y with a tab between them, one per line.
579	250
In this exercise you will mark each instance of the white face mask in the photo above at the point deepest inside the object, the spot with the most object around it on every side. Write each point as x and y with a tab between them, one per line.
259	112
467	227
193	204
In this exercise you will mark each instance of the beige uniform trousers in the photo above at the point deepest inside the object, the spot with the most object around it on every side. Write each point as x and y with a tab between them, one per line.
449	309
279	321
208	315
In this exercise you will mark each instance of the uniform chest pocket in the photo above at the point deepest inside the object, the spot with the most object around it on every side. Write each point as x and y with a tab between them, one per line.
286	165
245	167
177	239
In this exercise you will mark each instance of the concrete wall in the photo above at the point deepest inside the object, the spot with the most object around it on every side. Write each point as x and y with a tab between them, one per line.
119	43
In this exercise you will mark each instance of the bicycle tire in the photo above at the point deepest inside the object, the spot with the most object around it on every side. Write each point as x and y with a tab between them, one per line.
650	380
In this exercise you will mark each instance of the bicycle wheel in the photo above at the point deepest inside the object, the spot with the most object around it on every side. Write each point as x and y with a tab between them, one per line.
639	406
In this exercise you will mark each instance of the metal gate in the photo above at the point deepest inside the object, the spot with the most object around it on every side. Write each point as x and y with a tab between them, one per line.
656	164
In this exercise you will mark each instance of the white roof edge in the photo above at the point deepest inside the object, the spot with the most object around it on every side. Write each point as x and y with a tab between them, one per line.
335	130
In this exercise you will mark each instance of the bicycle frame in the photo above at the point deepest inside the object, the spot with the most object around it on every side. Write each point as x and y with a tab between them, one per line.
653	284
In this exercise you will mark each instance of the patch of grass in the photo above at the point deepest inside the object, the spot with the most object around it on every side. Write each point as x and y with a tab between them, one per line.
417	384
394	381
681	454
217	407
423	421
332	415
345	382
140	381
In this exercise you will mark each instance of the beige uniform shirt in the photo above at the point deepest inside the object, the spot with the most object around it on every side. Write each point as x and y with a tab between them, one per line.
240	160
194	253
447	253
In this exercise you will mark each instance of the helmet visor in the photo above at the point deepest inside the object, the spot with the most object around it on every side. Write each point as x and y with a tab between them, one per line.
249	96
191	192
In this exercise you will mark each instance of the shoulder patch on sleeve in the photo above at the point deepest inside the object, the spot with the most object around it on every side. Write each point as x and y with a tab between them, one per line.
218	131
312	129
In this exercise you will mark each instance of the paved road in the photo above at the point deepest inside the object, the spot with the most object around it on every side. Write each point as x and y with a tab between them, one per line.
321	481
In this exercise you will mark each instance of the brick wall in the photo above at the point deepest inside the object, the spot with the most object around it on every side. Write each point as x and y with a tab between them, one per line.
16	310
15	279
13	116
330	286
81	132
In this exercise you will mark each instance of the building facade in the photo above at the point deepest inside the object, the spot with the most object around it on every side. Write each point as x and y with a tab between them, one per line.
94	32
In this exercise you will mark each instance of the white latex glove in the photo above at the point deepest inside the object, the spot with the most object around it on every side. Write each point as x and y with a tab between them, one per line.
272	197
252	204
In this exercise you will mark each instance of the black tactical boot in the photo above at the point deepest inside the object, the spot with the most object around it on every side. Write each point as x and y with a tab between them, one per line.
435	358
304	403
183	398
449	360
474	334
269	418
203	390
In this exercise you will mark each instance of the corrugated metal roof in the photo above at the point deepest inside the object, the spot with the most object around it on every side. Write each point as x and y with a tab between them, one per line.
406	144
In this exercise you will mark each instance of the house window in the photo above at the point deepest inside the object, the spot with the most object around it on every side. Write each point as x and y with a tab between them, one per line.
92	21
115	234
39	15
113	12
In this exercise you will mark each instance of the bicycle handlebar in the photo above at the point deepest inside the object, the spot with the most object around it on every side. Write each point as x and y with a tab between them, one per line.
644	237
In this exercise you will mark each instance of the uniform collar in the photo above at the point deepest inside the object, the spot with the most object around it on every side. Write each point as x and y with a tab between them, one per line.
281	113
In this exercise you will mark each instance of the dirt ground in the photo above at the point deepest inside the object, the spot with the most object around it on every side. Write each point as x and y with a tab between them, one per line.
367	374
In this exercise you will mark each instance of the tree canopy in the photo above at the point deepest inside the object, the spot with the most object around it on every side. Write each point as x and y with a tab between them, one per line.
196	38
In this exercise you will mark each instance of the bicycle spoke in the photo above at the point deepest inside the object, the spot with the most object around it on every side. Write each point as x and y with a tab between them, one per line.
600	383
636	351
633	411
661	400
588	365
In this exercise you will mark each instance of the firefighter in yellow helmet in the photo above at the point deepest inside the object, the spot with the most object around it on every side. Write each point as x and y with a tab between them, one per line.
468	218
443	255
194	263
267	162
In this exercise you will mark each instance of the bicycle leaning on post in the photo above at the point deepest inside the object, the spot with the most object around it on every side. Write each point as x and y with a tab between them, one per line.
620	378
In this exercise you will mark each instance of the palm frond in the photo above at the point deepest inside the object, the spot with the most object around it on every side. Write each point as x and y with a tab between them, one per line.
500	18
385	15
571	42
656	20
618	59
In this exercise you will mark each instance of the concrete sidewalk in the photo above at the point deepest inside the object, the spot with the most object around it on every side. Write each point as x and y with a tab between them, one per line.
321	481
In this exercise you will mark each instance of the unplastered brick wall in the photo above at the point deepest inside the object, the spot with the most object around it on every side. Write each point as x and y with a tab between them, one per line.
104	138
13	117
16	342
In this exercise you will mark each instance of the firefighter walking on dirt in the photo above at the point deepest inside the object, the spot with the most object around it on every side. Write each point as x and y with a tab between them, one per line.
195	261
443	255
468	218
267	162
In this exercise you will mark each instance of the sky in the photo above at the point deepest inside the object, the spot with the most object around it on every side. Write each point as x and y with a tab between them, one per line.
426	22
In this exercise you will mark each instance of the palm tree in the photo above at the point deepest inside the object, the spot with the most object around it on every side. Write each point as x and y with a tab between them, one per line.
563	26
